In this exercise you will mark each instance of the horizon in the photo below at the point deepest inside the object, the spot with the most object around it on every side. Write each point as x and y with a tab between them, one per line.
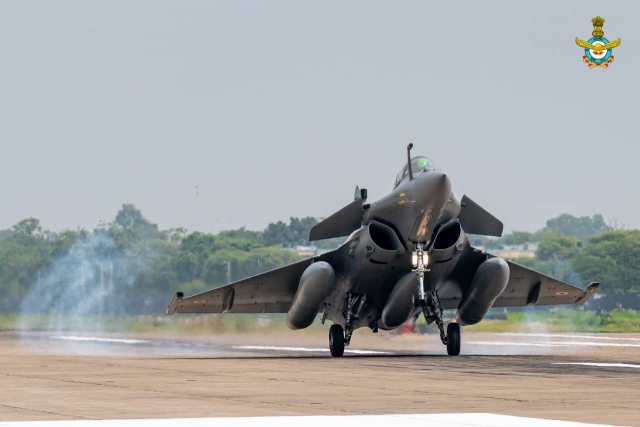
287	221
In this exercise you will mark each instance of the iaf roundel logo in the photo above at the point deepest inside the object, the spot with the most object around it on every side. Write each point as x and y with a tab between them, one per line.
597	57
597	51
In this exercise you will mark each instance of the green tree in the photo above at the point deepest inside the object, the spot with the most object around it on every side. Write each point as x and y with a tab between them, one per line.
553	257
29	227
255	237
300	229
23	254
277	234
613	259
4	234
130	219
518	237
556	246
582	227
175	235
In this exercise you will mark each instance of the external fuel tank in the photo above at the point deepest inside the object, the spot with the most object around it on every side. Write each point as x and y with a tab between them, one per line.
316	284
488	283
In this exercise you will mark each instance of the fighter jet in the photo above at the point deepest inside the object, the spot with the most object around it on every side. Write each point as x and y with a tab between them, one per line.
406	254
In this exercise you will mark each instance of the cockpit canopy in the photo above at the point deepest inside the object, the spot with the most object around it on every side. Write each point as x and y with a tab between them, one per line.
418	164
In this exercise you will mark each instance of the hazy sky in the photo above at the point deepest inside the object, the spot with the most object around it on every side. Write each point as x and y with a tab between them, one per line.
280	108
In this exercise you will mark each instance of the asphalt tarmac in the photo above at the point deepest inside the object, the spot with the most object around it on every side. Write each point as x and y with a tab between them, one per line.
591	378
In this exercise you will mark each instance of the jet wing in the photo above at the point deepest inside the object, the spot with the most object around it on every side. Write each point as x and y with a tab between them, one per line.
525	286
528	287
270	292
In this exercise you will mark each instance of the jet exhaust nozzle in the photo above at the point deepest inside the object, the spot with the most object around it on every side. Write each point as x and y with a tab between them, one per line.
316	284
489	281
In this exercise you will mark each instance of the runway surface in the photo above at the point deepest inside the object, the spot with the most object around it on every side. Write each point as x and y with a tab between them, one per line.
571	377
395	420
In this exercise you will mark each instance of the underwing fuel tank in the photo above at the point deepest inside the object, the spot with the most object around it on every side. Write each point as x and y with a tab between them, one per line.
488	283
400	303
316	284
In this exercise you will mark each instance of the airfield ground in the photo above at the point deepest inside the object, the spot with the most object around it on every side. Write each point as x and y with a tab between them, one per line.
46	377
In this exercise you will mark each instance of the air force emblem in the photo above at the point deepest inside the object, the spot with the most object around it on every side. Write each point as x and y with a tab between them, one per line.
597	51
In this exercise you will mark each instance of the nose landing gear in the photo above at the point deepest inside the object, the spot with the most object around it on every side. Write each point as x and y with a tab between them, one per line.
430	303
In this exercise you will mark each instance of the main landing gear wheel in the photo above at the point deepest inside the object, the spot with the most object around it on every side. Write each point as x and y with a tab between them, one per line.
432	311
336	340
453	343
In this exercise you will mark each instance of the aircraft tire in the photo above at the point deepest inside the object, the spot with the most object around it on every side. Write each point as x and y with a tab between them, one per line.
336	340
453	345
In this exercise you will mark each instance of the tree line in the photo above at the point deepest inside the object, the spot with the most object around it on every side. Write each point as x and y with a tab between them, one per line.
130	261
134	250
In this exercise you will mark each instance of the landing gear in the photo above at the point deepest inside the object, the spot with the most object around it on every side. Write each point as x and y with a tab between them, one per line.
339	337
453	339
420	261
336	340
430	303
353	301
432	311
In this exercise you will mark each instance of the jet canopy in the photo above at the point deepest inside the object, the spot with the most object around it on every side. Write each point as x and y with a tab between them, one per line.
418	164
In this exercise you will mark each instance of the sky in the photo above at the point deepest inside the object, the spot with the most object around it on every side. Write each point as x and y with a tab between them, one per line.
216	115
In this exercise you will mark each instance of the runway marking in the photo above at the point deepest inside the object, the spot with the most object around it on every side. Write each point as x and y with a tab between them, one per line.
589	337
515	343
96	339
554	344
305	349
433	420
601	365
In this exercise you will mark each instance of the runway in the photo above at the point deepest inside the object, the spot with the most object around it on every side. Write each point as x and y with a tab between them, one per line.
570	377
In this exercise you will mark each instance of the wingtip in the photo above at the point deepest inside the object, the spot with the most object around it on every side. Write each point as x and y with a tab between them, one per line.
174	303
591	289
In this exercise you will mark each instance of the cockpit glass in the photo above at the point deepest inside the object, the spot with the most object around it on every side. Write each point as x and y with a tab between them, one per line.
418	164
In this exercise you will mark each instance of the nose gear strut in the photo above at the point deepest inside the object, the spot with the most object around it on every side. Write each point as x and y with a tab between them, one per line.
420	268
430	303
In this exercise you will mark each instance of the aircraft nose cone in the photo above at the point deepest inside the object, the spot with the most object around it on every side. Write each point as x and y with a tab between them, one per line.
432	192
435	183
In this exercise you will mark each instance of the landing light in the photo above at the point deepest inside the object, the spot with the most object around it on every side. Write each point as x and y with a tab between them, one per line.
415	256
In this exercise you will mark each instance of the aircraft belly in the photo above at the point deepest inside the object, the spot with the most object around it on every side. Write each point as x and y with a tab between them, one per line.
358	275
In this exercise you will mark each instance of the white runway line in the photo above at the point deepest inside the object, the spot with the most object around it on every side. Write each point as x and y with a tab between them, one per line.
432	420
601	365
588	337
515	343
96	339
554	344
304	349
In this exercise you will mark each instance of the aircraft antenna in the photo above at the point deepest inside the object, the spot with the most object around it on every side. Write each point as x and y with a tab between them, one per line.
409	147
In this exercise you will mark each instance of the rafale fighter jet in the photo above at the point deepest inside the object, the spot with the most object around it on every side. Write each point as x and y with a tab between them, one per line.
406	254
